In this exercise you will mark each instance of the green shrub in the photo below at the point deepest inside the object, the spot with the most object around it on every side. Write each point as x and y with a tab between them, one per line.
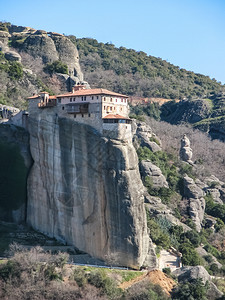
195	289
56	67
210	249
189	255
107	285
154	139
15	70
79	277
193	236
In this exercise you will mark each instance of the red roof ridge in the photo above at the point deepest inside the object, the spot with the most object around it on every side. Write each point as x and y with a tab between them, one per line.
116	116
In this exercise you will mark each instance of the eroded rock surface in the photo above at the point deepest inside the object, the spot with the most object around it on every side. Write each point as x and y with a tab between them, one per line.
185	150
156	176
86	190
196	201
190	273
143	133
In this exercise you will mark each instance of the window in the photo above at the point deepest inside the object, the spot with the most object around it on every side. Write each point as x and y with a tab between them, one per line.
116	100
121	109
84	98
104	107
74	116
92	97
74	99
125	100
63	108
70	99
104	98
89	115
59	100
97	97
121	100
82	115
111	99
110	108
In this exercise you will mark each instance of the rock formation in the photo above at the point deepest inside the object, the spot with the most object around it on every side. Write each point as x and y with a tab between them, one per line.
185	150
86	190
196	201
190	273
142	134
147	168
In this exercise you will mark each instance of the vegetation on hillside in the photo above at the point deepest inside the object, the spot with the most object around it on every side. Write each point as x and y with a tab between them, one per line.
136	73
39	275
56	67
12	68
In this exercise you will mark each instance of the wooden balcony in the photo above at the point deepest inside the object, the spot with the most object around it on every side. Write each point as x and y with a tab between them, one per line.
77	108
47	104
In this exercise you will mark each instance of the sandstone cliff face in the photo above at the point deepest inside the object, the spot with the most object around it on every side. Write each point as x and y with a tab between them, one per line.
86	190
196	201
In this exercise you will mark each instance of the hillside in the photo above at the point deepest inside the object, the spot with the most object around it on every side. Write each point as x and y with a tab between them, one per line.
136	73
126	194
33	60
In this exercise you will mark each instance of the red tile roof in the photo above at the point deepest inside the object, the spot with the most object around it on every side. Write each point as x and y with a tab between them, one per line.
33	97
111	116
86	92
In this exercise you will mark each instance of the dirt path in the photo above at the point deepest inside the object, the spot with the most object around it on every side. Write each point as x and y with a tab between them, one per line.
155	277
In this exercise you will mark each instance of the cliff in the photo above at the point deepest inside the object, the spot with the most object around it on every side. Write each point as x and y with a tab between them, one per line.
86	190
24	54
15	161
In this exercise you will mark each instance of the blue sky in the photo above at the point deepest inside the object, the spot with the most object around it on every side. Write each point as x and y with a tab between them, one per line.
187	33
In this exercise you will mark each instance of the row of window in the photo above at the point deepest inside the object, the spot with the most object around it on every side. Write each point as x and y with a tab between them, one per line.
111	99
111	108
83	98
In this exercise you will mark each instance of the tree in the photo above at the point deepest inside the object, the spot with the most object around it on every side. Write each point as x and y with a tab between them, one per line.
195	289
56	67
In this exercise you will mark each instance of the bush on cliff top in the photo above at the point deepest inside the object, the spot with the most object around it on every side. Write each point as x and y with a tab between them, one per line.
56	67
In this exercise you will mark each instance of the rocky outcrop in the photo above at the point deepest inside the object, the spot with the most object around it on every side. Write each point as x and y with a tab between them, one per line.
4	37
190	111
147	168
47	47
196	201
190	273
12	56
142	135
52	47
185	150
7	112
86	190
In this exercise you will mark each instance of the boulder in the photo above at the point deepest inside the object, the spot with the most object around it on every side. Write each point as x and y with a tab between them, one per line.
4	37
3	47
147	168
12	56
190	273
142	132
215	193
